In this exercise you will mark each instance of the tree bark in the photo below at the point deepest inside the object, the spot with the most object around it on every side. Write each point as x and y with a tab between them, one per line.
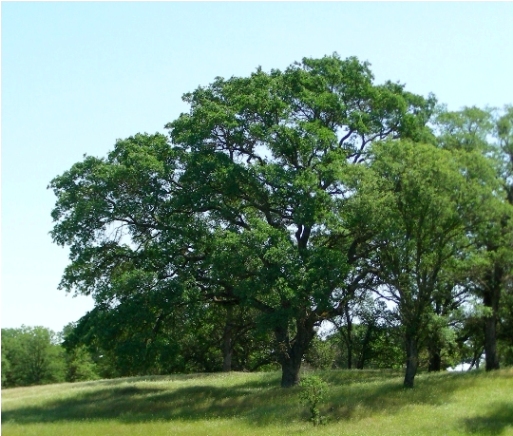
291	352
412	361
290	372
490	345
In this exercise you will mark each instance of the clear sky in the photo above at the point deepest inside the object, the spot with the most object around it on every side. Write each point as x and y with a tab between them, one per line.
78	76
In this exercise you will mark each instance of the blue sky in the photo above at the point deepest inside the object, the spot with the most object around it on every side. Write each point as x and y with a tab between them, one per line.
78	76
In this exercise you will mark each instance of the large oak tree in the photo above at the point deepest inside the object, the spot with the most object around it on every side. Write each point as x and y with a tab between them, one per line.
244	204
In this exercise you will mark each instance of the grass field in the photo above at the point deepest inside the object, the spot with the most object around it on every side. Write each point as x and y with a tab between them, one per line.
359	403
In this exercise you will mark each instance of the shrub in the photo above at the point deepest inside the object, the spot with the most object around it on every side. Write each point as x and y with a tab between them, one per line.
313	391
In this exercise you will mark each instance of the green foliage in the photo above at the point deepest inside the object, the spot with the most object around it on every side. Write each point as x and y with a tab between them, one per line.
244	205
367	335
313	391
467	129
321	354
375	347
174	339
34	355
427	209
80	365
288	195
31	356
5	368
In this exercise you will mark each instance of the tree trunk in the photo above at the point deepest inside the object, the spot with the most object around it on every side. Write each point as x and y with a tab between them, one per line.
227	340
435	360
412	361
491	297
349	339
291	352
365	345
490	344
290	372
475	360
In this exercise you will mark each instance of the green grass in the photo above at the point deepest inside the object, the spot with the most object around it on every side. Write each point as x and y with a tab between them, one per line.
359	403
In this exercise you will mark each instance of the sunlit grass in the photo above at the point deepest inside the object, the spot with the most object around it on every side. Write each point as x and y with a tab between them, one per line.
359	403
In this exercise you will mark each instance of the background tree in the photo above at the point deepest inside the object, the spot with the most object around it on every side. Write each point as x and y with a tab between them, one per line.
33	356
505	333
472	130
424	205
452	294
364	334
80	363
188	338
470	336
504	135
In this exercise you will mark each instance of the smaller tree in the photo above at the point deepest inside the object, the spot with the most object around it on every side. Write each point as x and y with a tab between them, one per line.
313	391
425	207
80	365
366	334
488	132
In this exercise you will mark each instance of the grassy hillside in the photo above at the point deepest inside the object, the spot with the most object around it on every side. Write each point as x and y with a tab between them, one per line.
359	403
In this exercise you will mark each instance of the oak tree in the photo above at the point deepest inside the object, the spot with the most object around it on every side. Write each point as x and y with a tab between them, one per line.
243	204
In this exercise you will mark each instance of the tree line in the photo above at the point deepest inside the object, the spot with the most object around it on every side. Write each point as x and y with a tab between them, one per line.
290	199
35	355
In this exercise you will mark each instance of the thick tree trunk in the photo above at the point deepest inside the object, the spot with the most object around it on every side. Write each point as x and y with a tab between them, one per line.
227	340
412	361
290	372
291	352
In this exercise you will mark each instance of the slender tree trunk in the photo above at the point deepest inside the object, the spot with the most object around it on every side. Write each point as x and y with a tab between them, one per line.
227	340
412	361
435	360
365	345
349	340
491	299
475	360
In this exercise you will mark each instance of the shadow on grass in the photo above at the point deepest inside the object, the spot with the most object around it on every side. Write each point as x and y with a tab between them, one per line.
499	416
360	400
353	395
141	404
267	379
